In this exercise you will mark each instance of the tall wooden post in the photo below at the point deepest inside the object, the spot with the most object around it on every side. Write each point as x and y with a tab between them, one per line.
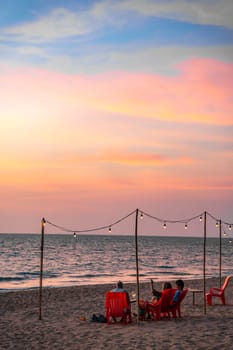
204	264
137	270
41	265
220	253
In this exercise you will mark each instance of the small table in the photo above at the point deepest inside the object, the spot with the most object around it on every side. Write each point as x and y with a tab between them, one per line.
194	291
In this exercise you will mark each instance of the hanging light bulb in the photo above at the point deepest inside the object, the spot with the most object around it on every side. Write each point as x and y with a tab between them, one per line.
165	225
186	226
229	227
200	218
230	240
216	224
74	235
110	230
141	216
224	233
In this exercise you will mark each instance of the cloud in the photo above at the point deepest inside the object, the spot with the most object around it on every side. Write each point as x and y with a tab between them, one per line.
163	59
147	59
62	23
121	157
201	12
58	24
200	92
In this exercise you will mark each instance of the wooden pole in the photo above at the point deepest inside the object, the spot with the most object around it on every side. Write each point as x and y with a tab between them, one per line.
220	253
204	264
137	270
41	265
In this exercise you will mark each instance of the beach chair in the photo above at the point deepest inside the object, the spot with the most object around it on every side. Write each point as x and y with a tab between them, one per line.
175	308
218	292
118	306
162	307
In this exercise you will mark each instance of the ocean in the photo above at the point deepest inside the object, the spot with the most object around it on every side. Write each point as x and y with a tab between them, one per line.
100	259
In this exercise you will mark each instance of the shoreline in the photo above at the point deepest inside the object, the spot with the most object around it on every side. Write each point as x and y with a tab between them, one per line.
142	281
66	314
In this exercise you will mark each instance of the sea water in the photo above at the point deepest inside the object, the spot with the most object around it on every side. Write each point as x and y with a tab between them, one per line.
99	259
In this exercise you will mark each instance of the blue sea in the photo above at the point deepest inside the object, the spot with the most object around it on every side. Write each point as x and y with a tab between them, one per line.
99	259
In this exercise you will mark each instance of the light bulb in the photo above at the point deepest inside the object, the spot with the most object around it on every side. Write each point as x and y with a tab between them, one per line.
164	225
185	226
110	229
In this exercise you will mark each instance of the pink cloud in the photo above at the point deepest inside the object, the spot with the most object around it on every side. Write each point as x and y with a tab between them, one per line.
201	92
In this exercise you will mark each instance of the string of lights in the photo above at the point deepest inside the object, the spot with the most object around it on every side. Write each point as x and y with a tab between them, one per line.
218	220
143	214
184	221
109	227
166	221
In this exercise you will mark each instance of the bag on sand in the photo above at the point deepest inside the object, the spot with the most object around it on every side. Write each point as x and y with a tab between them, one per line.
100	318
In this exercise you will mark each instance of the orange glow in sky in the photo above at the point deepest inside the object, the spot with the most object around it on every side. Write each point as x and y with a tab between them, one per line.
86	139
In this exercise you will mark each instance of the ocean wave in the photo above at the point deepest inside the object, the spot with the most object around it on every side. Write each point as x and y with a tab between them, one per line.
20	277
26	273
89	275
11	279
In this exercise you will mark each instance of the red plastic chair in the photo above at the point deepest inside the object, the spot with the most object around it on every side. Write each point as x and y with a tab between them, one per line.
118	305
175	309
162	307
218	292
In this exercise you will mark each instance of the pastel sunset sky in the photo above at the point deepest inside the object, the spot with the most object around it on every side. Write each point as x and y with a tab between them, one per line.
108	106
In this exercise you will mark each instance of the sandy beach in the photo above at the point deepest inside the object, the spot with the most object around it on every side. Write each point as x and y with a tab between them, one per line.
66	314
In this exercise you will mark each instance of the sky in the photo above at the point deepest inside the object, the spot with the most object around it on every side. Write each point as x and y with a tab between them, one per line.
108	106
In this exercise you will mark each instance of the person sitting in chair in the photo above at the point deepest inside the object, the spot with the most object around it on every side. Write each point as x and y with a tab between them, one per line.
180	287
156	294
144	306
120	288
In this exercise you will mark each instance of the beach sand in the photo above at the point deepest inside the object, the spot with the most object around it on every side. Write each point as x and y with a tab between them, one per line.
66	314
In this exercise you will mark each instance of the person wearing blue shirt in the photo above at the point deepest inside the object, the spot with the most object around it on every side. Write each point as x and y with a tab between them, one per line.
180	287
119	287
